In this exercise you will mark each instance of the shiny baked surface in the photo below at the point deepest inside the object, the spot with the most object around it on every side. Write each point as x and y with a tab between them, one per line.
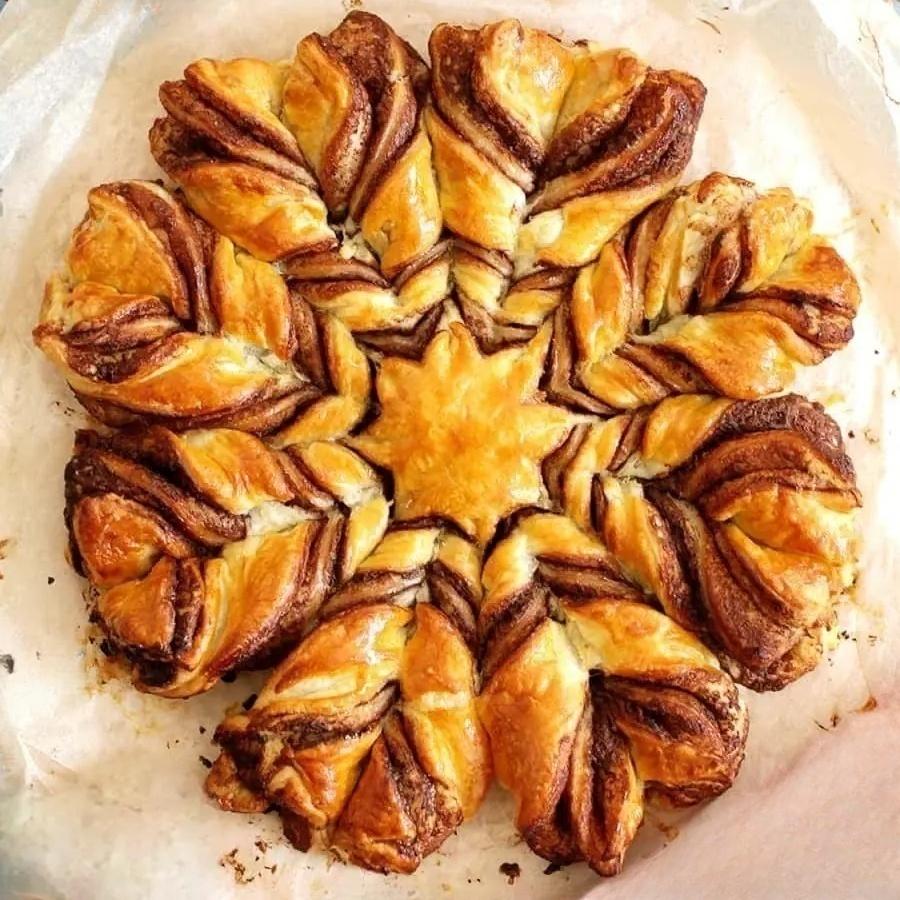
437	431
428	388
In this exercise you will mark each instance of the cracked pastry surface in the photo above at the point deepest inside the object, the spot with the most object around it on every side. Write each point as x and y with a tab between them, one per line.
428	388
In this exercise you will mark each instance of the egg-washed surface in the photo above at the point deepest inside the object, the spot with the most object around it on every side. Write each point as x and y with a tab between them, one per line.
428	386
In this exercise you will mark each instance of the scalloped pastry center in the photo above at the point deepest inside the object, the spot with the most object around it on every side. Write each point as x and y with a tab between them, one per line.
464	434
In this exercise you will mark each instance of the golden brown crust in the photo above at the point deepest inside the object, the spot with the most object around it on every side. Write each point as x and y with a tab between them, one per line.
328	111
452	50
515	109
742	525
192	112
719	287
265	213
147	510
520	77
384	65
590	718
603	87
395	688
220	342
435	448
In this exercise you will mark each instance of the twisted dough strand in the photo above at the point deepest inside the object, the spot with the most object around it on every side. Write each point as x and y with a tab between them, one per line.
543	151
737	516
148	510
366	736
157	319
347	111
718	287
593	701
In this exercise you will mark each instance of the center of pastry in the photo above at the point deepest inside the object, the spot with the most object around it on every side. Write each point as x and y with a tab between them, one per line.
465	434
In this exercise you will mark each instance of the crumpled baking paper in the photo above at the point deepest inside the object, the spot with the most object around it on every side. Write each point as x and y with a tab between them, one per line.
100	787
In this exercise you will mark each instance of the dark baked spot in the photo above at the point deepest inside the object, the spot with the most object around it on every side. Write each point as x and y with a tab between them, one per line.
511	870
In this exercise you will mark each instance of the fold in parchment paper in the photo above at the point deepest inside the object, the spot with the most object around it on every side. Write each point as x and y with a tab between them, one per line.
101	788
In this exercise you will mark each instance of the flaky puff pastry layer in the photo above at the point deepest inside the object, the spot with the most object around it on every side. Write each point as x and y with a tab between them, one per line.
158	319
367	737
248	141
543	151
738	517
720	286
208	551
595	703
438	431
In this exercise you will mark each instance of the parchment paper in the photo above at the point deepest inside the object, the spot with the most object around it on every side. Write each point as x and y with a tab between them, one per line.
100	788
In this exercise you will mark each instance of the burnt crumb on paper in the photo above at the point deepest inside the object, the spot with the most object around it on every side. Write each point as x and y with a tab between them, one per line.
869	705
229	677
51	579
552	869
710	24
66	410
833	722
296	830
261	845
202	729
7	662
206	761
230	861
249	701
511	870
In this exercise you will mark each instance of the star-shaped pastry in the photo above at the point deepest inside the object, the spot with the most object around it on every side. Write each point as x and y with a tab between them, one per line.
464	434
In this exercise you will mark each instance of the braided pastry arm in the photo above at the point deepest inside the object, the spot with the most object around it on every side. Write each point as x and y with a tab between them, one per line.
599	134
366	736
148	510
737	516
156	319
718	287
117	321
224	144
246	139
594	702
354	100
